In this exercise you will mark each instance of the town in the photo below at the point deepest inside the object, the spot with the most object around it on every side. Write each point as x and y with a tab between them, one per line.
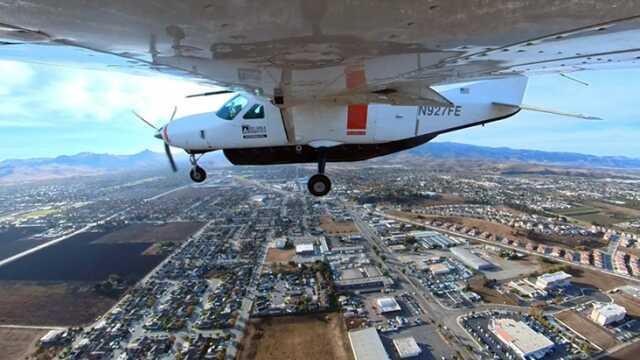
398	262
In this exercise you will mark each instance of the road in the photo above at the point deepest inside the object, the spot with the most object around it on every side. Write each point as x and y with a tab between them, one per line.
433	310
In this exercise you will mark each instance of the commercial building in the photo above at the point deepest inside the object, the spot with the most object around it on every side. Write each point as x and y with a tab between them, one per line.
305	249
407	347
470	259
363	279
520	338
525	288
387	305
553	280
432	239
366	345
604	314
439	269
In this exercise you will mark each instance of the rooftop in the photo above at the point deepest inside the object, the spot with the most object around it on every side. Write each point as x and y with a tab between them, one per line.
388	304
556	276
520	335
366	345
407	347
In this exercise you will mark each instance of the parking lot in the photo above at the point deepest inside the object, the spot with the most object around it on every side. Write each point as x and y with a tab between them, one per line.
477	325
449	287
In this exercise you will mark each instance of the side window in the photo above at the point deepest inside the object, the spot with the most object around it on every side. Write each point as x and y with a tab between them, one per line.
232	107
256	112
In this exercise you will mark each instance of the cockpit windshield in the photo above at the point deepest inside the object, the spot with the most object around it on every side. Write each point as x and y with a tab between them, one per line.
231	108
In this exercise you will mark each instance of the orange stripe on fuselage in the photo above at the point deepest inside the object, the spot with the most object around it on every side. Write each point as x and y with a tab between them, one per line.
357	119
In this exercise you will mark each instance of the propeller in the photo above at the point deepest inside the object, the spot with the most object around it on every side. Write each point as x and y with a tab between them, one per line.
158	135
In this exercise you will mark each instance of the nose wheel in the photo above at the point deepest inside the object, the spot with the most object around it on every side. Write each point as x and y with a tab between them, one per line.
319	184
197	173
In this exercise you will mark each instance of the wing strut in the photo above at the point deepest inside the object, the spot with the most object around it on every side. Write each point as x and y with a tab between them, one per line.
550	111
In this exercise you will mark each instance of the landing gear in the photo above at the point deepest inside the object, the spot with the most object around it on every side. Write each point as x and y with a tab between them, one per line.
319	184
196	173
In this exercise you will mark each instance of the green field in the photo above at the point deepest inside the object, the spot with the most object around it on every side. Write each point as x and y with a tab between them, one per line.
598	213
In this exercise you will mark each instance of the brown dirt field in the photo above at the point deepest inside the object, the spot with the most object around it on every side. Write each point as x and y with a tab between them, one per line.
53	304
489	295
628	353
590	330
280	255
150	233
337	227
597	279
18	343
632	306
312	337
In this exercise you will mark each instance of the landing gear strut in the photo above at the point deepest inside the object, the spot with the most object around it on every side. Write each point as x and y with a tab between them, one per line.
319	184
196	173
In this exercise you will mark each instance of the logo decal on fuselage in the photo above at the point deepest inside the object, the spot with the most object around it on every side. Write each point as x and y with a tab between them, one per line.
254	132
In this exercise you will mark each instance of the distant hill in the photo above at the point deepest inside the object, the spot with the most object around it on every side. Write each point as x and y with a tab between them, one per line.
455	151
84	164
20	170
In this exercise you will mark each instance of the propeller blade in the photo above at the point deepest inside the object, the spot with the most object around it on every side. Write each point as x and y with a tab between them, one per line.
172	162
144	121
209	93
175	108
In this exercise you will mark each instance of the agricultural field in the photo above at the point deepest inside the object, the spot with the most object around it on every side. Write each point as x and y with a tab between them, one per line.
52	303
15	240
150	233
18	343
587	328
600	212
80	259
306	337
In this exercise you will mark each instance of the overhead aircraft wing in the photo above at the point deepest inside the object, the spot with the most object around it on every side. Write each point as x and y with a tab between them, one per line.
326	50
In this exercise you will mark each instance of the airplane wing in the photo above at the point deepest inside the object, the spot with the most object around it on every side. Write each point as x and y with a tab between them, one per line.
326	50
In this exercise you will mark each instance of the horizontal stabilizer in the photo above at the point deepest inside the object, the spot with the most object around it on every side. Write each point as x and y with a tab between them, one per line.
550	111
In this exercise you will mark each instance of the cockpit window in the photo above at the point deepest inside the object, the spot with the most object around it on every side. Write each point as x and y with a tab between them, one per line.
229	110
256	112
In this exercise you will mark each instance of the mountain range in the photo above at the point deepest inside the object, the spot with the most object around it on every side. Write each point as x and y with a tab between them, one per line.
19	170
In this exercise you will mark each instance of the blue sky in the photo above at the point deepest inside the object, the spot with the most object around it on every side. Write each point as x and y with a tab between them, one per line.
48	111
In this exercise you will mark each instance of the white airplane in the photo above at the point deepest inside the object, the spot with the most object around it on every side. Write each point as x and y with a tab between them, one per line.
329	80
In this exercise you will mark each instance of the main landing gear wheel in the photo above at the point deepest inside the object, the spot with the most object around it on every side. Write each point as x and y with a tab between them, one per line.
198	174
319	185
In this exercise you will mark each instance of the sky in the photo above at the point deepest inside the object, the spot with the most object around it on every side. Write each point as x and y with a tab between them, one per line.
47	111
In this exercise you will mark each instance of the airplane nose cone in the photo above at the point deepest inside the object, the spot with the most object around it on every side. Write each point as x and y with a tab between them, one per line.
158	135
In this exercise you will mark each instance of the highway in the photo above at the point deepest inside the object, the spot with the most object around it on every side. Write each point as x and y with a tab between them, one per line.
79	231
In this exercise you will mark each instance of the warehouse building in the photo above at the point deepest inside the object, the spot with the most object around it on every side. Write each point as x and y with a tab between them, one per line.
366	345
407	347
520	338
470	259
605	314
553	280
387	305
305	249
439	269
432	239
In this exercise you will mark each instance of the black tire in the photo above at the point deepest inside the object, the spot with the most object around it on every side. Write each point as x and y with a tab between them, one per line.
198	174
319	185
